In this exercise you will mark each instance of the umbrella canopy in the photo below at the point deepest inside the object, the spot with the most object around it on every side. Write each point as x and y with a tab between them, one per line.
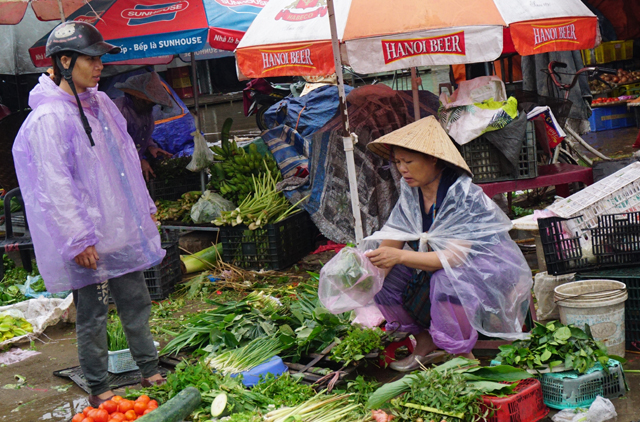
379	35
12	11
229	19
142	28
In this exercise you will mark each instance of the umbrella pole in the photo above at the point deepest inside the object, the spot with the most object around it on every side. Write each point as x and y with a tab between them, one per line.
348	139
62	17
414	91
196	92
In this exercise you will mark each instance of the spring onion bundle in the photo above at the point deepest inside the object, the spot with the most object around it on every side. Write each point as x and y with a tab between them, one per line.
320	408
266	204
245	358
116	338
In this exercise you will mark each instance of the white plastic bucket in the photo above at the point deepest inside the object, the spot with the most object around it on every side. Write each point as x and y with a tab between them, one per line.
599	303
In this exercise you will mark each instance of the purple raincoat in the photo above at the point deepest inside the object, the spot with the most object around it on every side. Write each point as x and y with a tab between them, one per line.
77	195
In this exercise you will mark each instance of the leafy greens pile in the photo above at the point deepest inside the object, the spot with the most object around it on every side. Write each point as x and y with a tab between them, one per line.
556	344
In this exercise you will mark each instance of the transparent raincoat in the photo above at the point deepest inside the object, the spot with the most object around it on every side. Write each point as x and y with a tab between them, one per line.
483	272
76	195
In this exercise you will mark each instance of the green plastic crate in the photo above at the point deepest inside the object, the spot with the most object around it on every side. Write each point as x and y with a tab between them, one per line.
569	390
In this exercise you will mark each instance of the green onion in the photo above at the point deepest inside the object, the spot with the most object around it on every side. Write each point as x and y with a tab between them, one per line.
245	358
116	338
320	408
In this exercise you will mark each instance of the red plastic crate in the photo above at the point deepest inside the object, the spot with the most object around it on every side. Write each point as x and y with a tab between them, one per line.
526	405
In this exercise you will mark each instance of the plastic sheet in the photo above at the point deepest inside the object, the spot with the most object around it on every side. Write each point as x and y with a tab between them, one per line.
209	207
349	281
486	274
368	316
77	195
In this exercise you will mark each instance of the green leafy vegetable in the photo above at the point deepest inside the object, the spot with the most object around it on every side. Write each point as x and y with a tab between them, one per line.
357	344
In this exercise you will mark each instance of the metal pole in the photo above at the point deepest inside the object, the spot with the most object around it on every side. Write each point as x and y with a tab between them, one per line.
414	91
196	91
348	139
62	17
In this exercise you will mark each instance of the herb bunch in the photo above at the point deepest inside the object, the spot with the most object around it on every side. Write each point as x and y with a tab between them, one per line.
357	344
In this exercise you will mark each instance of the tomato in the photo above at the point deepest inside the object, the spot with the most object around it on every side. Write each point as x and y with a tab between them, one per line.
92	413
110	406
139	407
125	405
78	417
114	420
87	410
118	416
116	399
131	415
148	411
88	420
101	415
152	403
143	398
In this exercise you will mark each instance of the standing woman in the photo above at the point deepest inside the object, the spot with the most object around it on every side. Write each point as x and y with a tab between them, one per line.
462	273
89	212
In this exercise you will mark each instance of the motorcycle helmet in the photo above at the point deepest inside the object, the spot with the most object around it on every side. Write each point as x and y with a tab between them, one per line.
73	39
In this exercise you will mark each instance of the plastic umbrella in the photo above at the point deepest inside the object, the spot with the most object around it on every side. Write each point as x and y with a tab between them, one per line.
229	19
12	11
298	38
142	28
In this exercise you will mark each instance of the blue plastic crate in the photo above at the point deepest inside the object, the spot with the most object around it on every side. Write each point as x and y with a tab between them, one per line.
612	117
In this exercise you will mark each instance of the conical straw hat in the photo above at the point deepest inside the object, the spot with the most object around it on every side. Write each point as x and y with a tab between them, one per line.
426	136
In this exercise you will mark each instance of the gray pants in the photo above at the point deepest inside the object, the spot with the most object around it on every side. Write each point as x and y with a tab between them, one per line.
132	300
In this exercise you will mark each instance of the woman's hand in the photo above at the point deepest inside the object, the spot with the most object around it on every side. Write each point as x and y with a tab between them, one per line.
385	257
88	258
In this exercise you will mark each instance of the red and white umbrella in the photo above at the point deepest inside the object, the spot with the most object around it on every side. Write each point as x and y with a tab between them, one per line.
12	11
302	37
293	38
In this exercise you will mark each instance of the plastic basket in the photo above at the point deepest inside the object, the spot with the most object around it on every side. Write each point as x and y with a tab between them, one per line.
484	159
275	246
611	117
121	361
617	193
615	242
526	405
630	277
568	390
174	188
162	278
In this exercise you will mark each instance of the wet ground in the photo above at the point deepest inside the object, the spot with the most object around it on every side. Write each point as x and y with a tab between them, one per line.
46	397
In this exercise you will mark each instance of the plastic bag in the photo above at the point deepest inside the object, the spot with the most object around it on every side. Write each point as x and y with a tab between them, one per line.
349	281
209	207
368	316
28	291
202	154
487	277
601	410
543	289
477	106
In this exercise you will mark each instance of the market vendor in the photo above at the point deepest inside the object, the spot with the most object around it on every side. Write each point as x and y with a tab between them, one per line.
462	273
142	93
89	211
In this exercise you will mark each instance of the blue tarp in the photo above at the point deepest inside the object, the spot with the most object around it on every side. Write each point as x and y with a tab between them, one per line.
306	114
173	125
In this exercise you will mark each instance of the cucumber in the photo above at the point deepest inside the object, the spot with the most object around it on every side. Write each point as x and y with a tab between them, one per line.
219	405
176	409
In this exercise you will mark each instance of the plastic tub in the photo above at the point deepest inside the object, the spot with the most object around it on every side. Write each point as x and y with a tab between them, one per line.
273	366
598	303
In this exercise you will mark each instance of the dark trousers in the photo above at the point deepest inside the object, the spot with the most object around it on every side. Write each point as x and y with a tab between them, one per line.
132	300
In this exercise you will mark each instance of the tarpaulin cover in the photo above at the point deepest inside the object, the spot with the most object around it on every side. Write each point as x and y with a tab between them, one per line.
306	114
484	271
77	195
173	125
374	110
289	149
